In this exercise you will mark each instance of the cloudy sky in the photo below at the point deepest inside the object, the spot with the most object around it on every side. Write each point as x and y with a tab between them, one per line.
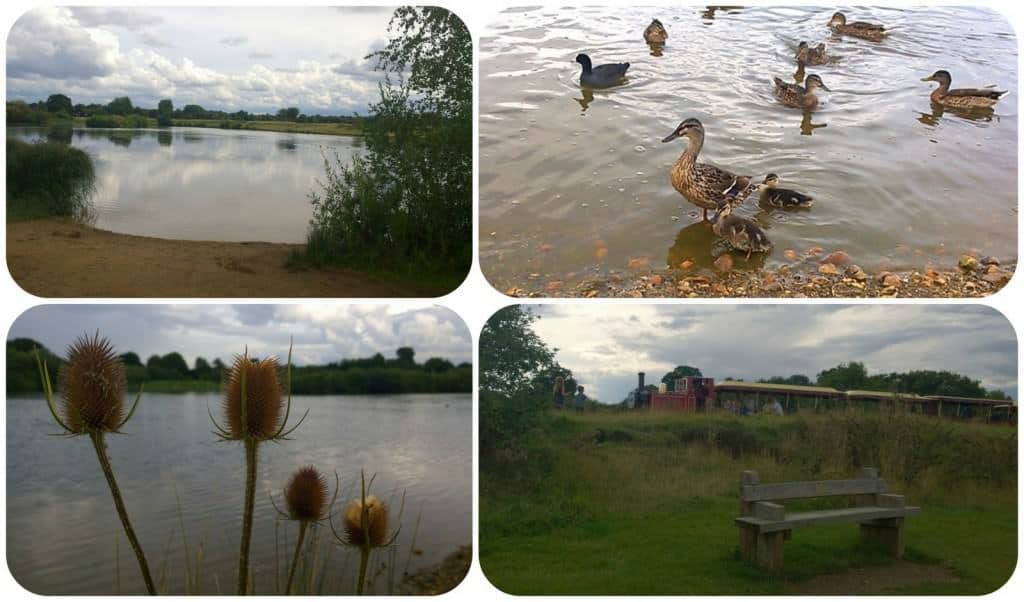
606	345
323	333
253	59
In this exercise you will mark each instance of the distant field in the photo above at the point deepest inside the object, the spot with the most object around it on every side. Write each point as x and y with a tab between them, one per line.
291	127
641	503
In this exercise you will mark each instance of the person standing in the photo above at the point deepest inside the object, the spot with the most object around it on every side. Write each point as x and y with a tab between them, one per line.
559	392
580	400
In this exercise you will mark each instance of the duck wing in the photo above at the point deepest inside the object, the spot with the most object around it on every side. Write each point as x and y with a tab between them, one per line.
719	181
611	70
788	88
864	25
791	198
977	92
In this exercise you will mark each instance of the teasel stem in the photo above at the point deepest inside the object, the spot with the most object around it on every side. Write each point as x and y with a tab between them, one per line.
364	561
295	558
251	446
122	512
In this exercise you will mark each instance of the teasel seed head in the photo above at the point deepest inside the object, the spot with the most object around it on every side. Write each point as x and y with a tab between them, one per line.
306	495
264	399
92	383
373	533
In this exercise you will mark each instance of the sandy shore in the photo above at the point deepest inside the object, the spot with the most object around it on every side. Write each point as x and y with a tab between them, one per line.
57	257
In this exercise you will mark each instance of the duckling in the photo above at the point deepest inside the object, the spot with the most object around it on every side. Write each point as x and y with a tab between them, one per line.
738	232
655	33
782	197
857	29
805	55
961	98
602	76
801	97
703	185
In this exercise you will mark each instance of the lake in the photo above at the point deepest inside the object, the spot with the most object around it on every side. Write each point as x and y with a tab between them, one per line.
203	183
575	183
62	527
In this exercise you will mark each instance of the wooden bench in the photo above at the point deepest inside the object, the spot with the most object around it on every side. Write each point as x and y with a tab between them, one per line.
764	524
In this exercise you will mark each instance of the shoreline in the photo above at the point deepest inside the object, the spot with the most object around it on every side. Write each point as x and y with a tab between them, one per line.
834	276
60	257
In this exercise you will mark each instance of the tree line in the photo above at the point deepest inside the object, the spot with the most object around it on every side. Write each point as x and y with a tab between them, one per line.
373	375
59	107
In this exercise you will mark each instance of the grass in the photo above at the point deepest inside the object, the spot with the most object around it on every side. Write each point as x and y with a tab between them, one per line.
290	127
47	179
652	510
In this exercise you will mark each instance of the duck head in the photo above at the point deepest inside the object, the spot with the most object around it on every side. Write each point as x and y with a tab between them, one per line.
724	210
801	48
941	76
770	180
688	127
837	19
813	81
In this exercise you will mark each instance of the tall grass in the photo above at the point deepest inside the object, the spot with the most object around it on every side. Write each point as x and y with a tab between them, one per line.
119	121
48	179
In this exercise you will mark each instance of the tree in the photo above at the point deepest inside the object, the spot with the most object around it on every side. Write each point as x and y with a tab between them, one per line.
57	103
844	377
193	112
164	111
130	358
288	114
795	379
122	105
679	372
511	354
408	198
437	364
406	356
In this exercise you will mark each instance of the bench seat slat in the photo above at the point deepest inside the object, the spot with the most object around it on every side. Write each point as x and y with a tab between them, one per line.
810	489
822	517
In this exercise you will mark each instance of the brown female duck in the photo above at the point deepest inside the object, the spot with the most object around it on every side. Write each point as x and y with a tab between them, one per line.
655	33
805	55
801	97
961	98
706	186
857	29
738	232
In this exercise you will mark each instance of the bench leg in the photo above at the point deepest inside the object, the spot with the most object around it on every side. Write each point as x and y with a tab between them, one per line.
748	543
769	550
887	532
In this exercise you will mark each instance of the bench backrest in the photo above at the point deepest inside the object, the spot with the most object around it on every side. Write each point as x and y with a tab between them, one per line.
751	489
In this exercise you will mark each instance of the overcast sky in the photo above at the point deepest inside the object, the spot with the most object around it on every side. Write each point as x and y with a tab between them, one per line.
253	59
606	345
323	333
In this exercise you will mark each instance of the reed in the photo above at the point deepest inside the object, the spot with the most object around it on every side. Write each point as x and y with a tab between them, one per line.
92	383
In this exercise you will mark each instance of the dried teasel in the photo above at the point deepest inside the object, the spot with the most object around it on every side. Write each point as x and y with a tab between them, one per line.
305	496
256	403
366	522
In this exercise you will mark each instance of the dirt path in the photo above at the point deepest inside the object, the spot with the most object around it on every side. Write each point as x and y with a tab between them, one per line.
440	578
58	257
875	579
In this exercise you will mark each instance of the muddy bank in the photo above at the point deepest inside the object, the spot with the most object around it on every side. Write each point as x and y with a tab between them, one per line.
442	577
813	275
58	257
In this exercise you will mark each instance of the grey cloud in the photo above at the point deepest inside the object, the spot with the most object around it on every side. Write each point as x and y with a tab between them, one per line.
127	18
151	39
234	40
261	55
40	46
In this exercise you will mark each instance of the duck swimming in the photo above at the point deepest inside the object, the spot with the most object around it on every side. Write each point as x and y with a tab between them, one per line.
740	233
706	186
961	98
602	76
805	55
655	33
857	29
783	198
801	97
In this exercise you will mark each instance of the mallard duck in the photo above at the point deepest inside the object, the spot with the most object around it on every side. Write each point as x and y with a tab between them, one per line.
655	33
738	232
602	76
801	97
961	98
783	198
857	29
702	184
805	55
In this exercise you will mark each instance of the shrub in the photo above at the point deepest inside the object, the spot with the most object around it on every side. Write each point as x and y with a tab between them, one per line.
48	178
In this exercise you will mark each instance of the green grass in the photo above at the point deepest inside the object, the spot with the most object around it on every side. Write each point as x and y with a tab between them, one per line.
290	127
654	514
47	179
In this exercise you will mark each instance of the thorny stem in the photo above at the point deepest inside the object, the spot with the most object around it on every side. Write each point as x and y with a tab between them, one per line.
295	558
108	471
364	561
250	497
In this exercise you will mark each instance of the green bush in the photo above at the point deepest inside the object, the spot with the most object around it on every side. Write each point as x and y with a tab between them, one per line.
117	121
48	178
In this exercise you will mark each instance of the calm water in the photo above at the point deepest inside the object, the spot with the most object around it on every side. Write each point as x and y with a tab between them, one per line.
61	524
572	186
205	184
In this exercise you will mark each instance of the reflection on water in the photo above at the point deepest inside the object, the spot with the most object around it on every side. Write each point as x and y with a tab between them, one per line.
61	527
203	184
561	166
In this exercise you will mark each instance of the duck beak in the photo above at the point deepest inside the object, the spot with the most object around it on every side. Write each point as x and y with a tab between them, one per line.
928	79
671	136
825	88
